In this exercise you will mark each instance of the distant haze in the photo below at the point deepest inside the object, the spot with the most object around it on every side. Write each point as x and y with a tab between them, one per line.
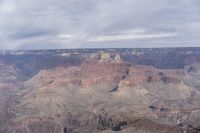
52	24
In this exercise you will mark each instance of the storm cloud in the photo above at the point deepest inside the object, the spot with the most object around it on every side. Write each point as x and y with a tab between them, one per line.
50	24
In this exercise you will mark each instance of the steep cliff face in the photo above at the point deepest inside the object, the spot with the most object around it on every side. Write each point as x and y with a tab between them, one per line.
99	93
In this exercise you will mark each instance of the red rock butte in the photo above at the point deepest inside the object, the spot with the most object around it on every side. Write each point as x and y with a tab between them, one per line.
108	90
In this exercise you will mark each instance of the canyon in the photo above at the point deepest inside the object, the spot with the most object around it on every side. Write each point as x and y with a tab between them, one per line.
100	91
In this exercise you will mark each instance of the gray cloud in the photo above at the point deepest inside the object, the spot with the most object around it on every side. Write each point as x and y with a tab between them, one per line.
33	24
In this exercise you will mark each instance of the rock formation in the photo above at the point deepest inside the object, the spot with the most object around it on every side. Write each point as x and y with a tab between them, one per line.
98	91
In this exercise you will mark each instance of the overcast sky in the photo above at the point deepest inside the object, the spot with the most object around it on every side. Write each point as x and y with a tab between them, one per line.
49	24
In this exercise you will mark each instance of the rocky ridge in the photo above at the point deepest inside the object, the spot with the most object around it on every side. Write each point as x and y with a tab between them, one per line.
103	93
